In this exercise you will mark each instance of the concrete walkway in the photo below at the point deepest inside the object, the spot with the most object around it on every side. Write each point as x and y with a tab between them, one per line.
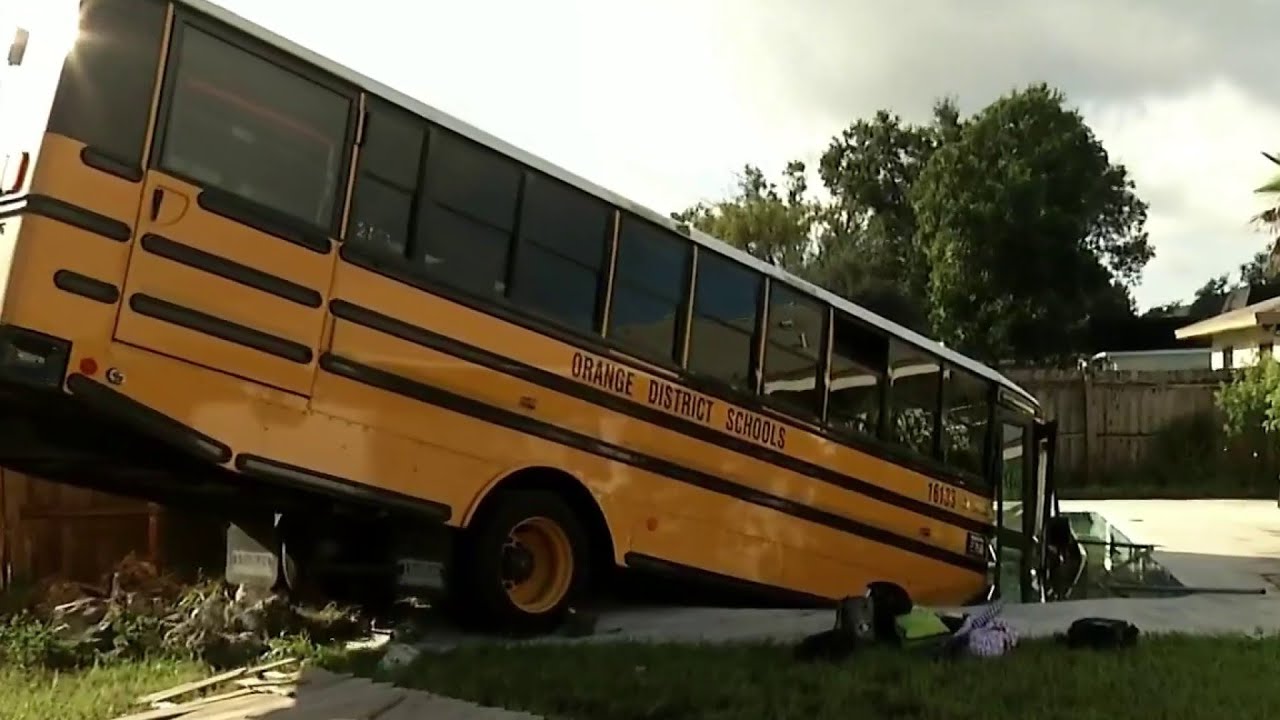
1217	543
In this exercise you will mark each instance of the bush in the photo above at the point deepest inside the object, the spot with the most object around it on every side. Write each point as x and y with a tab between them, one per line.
1250	403
28	642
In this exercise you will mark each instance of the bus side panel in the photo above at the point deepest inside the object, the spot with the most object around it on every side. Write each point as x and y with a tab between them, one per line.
215	292
234	247
649	513
768	547
85	184
469	328
61	283
561	411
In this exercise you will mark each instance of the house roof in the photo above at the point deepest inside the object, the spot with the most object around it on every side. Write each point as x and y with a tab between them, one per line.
1266	312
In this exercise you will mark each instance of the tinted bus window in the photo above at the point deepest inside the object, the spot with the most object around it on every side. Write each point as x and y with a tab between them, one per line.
965	421
560	261
387	179
251	128
649	284
108	80
913	394
793	349
859	364
726	304
466	214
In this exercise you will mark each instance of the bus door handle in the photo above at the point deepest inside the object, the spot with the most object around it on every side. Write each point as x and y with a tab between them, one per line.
168	206
157	199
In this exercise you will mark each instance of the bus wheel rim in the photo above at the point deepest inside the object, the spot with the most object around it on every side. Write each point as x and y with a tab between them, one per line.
538	565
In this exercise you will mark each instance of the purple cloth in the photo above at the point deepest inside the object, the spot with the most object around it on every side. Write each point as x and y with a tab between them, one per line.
985	635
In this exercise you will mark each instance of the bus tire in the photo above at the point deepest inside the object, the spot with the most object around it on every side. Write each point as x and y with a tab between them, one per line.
524	562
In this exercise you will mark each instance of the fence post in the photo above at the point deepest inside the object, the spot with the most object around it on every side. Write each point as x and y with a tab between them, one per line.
1090	429
4	534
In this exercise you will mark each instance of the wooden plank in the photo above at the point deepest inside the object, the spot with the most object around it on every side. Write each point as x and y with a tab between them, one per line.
238	708
164	713
194	685
190	687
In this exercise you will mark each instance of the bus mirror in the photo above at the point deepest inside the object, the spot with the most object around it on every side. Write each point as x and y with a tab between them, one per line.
18	48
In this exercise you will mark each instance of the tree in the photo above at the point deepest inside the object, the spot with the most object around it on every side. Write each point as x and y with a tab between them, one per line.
1258	270
1270	217
933	225
1030	231
1208	299
868	250
771	225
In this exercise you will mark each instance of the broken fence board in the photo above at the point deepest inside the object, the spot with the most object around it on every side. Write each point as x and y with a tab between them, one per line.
163	713
234	709
185	688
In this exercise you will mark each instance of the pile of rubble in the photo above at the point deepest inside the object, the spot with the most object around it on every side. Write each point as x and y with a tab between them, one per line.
137	611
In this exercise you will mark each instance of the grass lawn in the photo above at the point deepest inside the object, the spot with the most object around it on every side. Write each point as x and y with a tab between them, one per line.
94	694
1168	678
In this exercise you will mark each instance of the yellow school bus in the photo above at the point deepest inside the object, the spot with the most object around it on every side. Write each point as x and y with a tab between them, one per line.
240	276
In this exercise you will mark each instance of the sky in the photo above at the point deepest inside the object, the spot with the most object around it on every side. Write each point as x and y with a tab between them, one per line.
664	101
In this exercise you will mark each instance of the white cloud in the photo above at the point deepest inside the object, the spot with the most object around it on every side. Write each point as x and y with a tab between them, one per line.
1194	157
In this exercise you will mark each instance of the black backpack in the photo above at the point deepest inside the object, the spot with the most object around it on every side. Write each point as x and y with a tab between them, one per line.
1100	634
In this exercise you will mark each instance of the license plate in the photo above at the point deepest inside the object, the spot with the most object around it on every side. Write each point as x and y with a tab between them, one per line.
248	562
257	565
421	574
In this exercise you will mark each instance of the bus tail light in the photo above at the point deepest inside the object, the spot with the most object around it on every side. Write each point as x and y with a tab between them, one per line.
14	174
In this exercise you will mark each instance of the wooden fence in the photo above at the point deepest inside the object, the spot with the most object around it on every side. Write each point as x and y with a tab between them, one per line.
52	530
1109	421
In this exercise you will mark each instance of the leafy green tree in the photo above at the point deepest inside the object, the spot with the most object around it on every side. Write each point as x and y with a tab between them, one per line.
868	250
1208	299
772	224
1029	229
1008	233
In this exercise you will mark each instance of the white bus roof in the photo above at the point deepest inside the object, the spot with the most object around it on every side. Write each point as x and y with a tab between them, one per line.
702	239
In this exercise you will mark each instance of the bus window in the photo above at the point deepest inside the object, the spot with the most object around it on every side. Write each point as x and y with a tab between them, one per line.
859	363
913	395
109	77
466	215
560	260
387	180
965	420
250	128
726	301
649	286
793	349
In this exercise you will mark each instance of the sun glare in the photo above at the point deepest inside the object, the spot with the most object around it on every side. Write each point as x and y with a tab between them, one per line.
53	24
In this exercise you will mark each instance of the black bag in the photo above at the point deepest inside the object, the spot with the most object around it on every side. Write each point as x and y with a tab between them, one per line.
853	627
1100	634
888	602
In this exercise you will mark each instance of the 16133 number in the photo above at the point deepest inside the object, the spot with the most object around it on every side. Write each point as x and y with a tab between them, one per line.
942	494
